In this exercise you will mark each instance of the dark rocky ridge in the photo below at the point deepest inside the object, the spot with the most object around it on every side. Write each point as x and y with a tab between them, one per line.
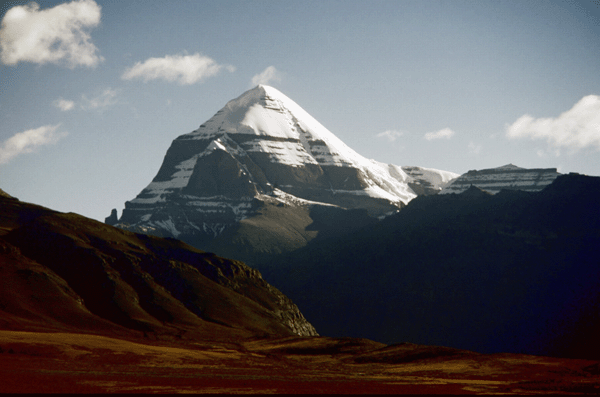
67	272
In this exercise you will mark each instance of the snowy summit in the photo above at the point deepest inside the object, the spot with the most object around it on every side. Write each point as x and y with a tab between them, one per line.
263	146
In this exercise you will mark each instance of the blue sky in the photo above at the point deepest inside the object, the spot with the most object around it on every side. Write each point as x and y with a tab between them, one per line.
93	92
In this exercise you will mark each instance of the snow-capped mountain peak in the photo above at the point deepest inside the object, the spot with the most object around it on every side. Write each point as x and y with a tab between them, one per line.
265	111
260	143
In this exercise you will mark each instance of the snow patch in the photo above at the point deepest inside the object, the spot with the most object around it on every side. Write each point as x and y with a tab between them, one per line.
213	228
437	178
215	145
287	198
283	152
168	225
160	190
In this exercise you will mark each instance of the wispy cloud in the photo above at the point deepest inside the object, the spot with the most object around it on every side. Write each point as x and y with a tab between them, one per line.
28	141
64	104
474	148
390	135
184	69
550	151
100	101
266	76
540	153
53	35
575	129
107	98
445	133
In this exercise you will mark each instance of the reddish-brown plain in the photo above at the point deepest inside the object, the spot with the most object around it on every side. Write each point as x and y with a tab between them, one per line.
36	362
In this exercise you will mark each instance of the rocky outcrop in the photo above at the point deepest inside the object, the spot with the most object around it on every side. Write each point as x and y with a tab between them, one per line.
508	177
113	219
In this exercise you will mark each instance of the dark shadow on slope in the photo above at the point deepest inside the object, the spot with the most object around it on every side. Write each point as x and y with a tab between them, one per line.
513	272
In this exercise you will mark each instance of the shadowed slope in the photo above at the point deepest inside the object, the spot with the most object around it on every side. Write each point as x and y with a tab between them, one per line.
511	272
65	271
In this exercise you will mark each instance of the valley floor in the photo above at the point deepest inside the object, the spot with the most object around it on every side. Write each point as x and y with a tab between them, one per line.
33	362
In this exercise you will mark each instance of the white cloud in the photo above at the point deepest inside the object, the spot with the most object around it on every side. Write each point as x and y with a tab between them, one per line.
540	153
28	141
108	97
548	152
185	69
390	135
575	129
445	133
64	104
473	148
266	76
28	34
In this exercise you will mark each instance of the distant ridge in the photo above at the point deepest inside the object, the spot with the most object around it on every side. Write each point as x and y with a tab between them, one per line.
474	191
508	176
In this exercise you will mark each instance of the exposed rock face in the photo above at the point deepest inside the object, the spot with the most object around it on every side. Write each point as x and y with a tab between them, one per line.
428	181
263	149
506	177
113	219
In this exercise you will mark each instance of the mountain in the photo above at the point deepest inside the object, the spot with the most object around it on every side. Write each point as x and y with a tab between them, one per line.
511	272
506	177
64	272
262	175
